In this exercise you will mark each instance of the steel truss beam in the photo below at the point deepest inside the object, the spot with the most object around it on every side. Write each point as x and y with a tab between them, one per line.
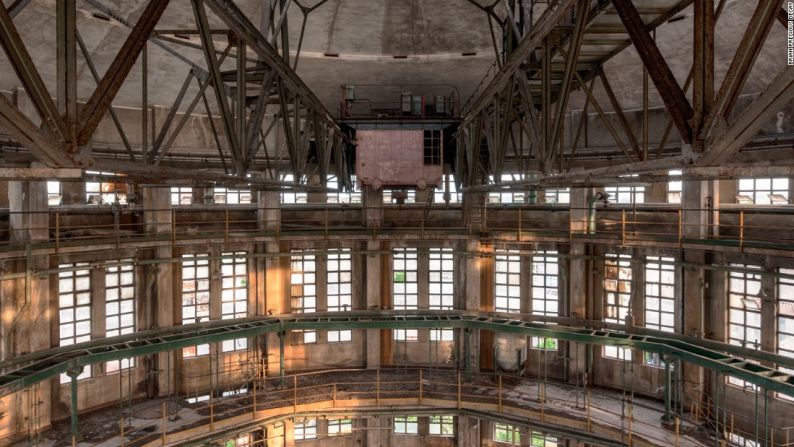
24	371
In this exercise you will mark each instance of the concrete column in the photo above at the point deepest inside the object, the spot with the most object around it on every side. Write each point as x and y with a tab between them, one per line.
268	210
579	278
470	285
28	218
277	299
373	300
693	279
373	207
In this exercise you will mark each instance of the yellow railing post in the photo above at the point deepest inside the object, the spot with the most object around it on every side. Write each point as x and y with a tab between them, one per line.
459	389
589	421
165	420
334	396
294	394
212	411
57	231
253	407
226	226
677	430
623	227
377	387
741	231
420	387
500	393
173	227
680	227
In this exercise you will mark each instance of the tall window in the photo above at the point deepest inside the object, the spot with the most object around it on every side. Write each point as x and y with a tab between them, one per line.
181	195
303	289
53	193
339	277
560	196
626	194
405	279
507	196
508	282
441	426
659	300
432	144
545	292
105	192
617	297
74	308
340	427
744	312
391	196
352	196
507	434
448	190
764	191
305	429
234	294
291	197
674	187
406	425
442	272
119	308
785	318
195	297
231	196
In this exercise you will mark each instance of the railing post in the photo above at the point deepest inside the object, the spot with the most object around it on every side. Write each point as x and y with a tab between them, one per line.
226	226
589	420
500	393
57	231
519	223
420	387
212	410
165	421
253	408
294	394
173	227
334	396
116	225
377	387
459	386
631	410
680	228
677	431
326	223
623	227
741	231
121	431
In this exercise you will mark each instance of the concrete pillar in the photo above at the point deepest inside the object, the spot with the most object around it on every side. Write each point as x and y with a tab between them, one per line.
374	266
470	285
268	210
579	278
693	198
277	298
373	207
28	218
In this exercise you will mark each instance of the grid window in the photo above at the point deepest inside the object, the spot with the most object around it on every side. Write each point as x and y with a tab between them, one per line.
558	196
74	308
432	145
119	308
442	273
340	336
352	196
617	297
542	440
242	440
231	196
507	197
339	276
659	300
234	294
390	196
104	192
626	194
545	293
508	282
785	319
442	335
507	434
741	441
406	335
764	191
448	190
441	426
340	427
53	193
405	279
303	288
305	429
744	313
674	187
181	195
406	425
305	336
292	198
195	297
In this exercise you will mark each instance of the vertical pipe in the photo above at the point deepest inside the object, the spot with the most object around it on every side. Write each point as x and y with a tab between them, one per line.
667	418
73	373
741	231
165	420
467	354
281	356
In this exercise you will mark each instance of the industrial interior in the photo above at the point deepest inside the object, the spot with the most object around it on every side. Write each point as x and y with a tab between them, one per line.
374	223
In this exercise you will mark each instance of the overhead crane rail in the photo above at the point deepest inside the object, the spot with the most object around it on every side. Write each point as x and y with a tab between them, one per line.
27	370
